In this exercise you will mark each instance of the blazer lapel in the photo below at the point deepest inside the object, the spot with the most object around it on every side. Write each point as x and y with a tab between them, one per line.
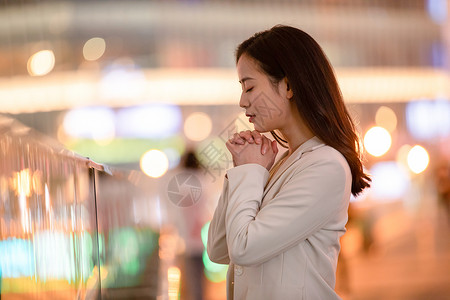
307	146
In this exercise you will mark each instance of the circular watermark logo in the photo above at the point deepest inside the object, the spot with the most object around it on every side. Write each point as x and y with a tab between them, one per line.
184	189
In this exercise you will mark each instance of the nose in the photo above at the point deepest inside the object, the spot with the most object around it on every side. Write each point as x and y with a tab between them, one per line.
243	102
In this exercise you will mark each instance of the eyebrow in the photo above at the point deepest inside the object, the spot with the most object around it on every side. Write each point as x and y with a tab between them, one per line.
244	79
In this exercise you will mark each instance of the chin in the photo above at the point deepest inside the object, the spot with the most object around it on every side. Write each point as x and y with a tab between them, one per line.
260	129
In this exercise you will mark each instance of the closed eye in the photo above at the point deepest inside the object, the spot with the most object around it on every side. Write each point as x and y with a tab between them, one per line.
249	90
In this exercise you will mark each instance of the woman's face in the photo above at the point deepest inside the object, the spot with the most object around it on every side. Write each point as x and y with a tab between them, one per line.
267	105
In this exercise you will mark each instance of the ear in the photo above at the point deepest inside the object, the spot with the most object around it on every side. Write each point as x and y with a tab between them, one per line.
289	92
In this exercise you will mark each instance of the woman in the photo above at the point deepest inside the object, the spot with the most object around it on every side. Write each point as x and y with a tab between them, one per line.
278	226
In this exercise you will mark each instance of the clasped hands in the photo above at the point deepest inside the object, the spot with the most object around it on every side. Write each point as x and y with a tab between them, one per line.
248	147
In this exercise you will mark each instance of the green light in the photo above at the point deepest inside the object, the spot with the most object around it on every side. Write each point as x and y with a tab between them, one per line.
211	266
214	272
125	249
86	255
126	255
216	277
131	267
204	233
121	150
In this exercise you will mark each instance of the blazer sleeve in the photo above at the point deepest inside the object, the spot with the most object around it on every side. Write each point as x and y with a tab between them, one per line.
304	204
216	247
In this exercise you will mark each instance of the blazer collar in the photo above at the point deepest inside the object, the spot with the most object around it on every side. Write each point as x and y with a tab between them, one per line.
308	146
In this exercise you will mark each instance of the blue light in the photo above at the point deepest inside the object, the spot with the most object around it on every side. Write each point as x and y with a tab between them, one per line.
149	121
16	258
427	120
438	54
90	122
437	9
390	181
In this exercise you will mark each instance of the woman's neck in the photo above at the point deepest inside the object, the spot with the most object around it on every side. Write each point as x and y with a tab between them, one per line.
296	136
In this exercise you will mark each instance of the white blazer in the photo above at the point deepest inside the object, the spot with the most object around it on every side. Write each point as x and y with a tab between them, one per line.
281	238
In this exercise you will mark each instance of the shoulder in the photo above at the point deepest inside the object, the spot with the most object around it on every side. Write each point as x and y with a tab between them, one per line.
325	159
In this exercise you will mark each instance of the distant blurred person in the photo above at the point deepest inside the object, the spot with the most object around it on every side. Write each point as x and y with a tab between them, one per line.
443	187
189	220
278	224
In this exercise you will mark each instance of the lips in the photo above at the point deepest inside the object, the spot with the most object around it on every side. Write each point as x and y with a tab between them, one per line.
251	117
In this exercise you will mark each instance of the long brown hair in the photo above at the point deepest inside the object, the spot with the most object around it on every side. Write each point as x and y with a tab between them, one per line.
285	51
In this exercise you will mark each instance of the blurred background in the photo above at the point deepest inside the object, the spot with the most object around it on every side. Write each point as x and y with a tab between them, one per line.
113	117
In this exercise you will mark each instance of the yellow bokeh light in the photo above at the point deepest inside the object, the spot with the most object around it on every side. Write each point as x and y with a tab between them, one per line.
197	126
94	48
418	159
22	183
41	63
386	118
377	141
154	163
173	278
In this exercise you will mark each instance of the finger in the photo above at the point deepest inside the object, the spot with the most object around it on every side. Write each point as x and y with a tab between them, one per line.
236	139
265	145
230	146
227	144
247	135
257	137
275	146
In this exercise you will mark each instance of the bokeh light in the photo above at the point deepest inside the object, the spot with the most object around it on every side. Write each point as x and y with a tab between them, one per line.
377	141
123	80
96	123
173	278
418	159
157	120
386	118
437	9
197	126
15	258
41	63
47	198
427	119
124	248
390	181
53	257
154	163
94	48
214	272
